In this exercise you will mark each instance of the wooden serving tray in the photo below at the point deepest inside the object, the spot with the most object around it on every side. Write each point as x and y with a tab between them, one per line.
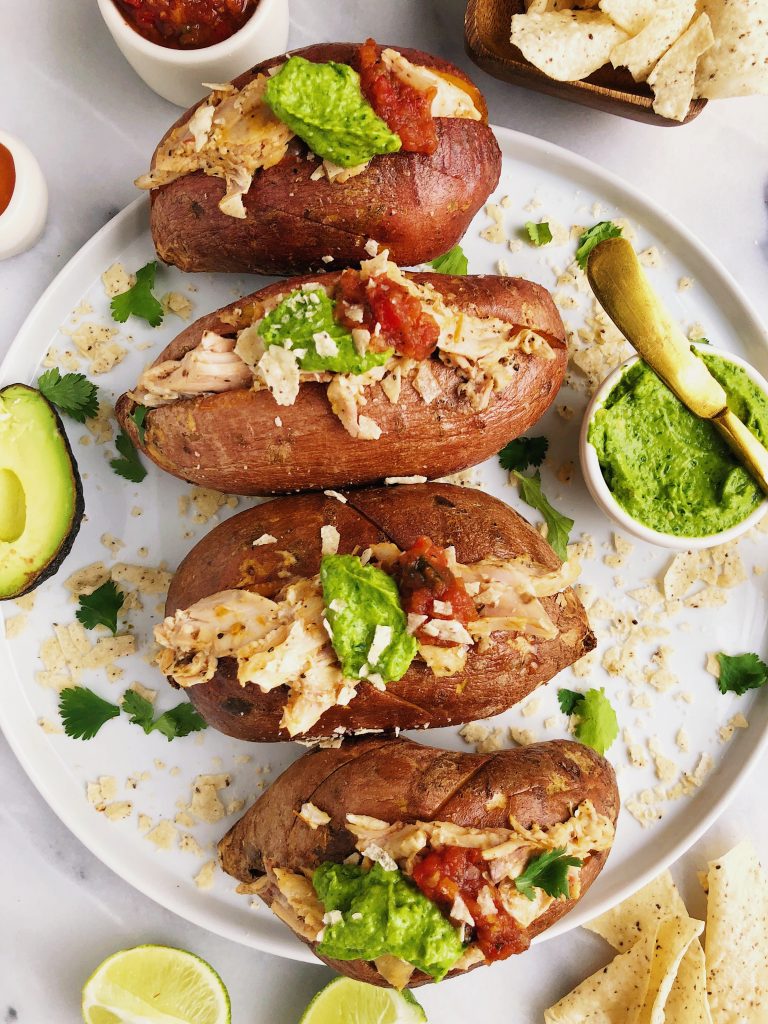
486	40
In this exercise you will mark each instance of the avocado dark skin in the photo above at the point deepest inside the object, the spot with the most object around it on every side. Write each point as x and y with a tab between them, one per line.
71	525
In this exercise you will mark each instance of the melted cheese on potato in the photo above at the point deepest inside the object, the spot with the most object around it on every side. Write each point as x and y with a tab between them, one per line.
506	850
284	642
234	134
486	351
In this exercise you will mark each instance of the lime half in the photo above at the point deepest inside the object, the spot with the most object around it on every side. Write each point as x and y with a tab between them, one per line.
353	1002
155	985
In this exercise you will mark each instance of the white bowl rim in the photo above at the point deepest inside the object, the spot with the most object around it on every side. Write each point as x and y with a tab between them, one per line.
601	493
117	23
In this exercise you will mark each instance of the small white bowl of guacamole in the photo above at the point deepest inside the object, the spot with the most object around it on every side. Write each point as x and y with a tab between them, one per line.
662	473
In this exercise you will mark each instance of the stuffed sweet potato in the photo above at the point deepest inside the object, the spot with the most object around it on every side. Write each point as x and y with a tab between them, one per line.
282	173
397	608
400	864
349	378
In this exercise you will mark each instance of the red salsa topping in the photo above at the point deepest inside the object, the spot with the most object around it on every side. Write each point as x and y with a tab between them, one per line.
407	111
442	875
7	177
186	24
423	577
403	323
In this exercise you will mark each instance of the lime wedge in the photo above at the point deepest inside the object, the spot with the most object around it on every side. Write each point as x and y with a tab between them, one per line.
155	985
356	1003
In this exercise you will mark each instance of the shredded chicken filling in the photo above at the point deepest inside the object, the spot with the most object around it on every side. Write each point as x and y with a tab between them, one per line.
284	642
506	851
486	352
234	134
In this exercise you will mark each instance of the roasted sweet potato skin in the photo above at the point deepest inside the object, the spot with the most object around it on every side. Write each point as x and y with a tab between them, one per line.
478	525
415	205
231	442
399	780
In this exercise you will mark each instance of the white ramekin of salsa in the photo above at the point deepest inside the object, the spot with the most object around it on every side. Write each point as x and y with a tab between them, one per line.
662	473
23	197
177	45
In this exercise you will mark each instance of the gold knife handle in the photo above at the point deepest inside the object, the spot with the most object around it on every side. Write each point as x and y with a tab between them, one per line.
625	293
745	445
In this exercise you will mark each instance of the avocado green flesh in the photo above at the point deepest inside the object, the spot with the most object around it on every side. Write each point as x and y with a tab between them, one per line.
324	106
384	913
358	598
668	469
41	501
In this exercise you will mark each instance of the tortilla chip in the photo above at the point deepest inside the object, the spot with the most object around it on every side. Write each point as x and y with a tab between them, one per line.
631	15
672	80
687	1000
641	913
737	64
566	45
642	51
673	938
613	995
737	938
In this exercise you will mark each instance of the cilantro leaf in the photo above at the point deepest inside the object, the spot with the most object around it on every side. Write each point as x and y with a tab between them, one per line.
180	721
598	726
139	300
569	700
138	416
559	526
700	341
101	607
129	466
539	234
83	712
452	262
588	241
523	452
139	709
548	871
73	393
741	672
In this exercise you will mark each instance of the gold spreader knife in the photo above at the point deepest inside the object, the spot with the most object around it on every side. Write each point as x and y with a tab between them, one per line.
626	295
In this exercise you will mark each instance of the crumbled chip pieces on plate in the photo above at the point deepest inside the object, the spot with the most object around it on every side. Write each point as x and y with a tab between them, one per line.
657	616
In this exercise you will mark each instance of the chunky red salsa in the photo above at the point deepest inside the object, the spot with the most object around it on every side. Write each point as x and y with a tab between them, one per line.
187	24
442	875
403	323
423	577
407	111
7	177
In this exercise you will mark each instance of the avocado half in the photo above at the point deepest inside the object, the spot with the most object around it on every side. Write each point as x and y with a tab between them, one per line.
41	494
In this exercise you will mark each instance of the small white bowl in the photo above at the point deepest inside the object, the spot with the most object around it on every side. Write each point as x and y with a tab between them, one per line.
23	219
178	75
598	488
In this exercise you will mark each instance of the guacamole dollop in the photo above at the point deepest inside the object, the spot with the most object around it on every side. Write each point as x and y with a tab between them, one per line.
666	467
395	918
358	600
305	319
324	106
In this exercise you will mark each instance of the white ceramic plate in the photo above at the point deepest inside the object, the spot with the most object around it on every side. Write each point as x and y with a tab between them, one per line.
566	189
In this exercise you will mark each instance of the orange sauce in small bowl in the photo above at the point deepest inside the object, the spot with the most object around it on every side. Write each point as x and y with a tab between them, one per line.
7	177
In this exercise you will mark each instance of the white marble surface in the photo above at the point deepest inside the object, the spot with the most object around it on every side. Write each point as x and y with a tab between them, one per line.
69	94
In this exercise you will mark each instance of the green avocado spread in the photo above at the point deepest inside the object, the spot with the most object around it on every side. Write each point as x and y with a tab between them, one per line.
383	912
304	319
367	621
324	106
668	469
